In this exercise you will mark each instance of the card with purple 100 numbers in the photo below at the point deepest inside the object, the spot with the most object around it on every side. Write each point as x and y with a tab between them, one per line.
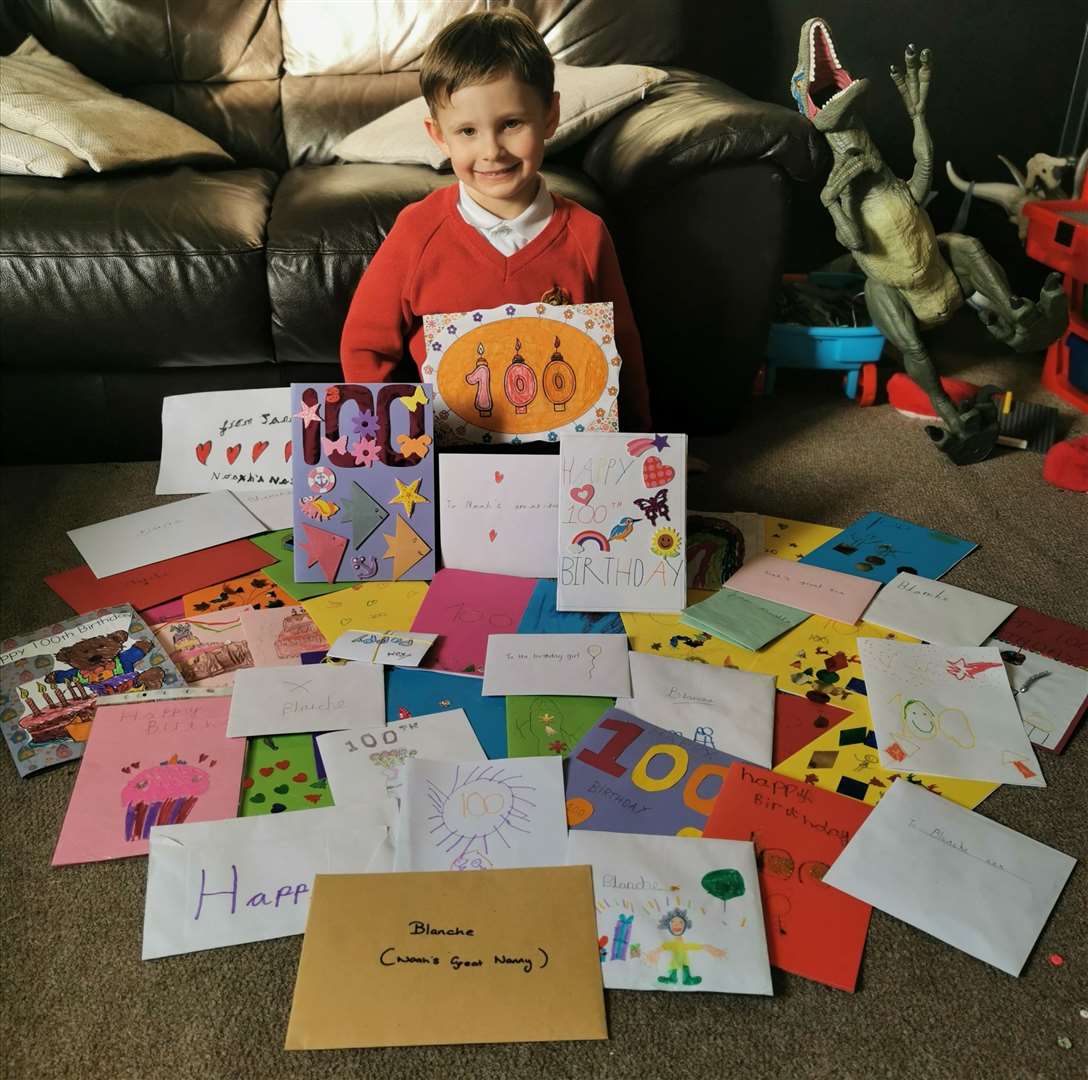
626	775
363	474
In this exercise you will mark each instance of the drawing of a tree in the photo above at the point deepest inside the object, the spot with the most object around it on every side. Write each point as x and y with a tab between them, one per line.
726	885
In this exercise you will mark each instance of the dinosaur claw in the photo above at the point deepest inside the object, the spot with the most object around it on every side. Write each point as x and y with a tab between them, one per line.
971	435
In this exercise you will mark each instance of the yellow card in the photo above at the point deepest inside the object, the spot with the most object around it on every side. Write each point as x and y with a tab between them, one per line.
371	605
449	957
666	635
820	656
794	539
844	759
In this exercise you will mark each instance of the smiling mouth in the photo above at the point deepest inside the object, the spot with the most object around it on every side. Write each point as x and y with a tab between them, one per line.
492	174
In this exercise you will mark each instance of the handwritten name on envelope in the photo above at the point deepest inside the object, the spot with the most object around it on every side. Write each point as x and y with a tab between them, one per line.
810	588
425	959
592	664
315	697
394	647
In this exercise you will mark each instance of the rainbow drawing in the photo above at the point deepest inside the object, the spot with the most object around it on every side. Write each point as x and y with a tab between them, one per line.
587	536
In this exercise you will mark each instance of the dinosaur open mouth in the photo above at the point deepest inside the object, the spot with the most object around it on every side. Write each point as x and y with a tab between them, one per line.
827	77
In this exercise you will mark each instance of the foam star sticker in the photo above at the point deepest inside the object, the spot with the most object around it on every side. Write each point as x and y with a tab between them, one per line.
408	495
307	413
418	398
405	547
661	441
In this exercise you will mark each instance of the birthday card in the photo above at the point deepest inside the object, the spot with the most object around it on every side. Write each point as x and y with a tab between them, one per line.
522	372
51	680
363	469
622	523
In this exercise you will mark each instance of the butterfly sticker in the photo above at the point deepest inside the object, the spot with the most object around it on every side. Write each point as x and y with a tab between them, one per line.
418	398
655	507
417	447
328	447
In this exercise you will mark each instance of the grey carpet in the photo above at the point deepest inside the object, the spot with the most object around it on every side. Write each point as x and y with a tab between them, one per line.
79	1003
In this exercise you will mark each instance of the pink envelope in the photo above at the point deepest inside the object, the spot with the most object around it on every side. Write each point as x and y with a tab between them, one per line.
842	597
465	608
150	763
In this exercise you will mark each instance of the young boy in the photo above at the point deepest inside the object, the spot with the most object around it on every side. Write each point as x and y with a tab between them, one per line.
497	236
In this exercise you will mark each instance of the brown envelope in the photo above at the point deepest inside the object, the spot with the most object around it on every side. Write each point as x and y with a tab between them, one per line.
417	959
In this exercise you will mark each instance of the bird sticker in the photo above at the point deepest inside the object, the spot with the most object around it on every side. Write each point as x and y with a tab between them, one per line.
622	529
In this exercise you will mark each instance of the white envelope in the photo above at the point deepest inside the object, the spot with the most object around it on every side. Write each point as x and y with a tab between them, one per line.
275	508
482	815
946	711
311	697
498	513
365	765
968	881
225	440
216	883
589	665
124	543
394	647
936	611
676	913
723	708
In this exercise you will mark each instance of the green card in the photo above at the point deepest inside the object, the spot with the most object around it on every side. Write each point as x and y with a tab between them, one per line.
281	774
741	619
281	544
539	725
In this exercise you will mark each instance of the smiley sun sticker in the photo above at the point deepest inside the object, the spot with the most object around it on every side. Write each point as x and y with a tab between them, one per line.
666	542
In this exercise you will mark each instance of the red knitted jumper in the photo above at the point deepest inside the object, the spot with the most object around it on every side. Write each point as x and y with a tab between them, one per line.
433	261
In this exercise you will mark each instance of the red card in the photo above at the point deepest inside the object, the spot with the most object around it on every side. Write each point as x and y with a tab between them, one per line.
1039	633
797	721
149	585
798	830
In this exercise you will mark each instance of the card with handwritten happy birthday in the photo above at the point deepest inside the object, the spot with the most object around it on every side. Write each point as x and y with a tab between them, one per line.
363	461
622	522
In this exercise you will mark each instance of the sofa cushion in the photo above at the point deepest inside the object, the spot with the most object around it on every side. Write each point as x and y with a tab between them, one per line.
43	95
587	98
135	270
27	155
326	224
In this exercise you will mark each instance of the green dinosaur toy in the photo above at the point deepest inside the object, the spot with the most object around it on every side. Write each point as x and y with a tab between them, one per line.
915	280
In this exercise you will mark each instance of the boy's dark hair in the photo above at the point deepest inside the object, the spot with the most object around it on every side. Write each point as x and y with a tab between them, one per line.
482	46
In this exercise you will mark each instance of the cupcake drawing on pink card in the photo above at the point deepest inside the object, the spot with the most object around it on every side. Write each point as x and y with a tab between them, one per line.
164	794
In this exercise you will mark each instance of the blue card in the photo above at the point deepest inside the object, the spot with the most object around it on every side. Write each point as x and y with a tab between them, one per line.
541	617
411	692
878	546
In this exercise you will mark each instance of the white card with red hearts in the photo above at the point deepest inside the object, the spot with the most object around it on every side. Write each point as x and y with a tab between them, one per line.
498	513
622	522
226	440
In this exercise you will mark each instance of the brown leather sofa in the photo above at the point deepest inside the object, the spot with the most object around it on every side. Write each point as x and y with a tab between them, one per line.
119	288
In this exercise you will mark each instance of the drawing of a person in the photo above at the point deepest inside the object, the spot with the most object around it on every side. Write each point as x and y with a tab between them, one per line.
677	923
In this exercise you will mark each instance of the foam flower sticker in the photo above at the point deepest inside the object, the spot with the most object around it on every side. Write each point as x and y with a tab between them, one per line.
366	452
363	423
666	542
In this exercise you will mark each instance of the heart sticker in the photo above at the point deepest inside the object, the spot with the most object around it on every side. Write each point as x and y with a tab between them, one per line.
491	535
499	477
287	448
283	764
655	474
583	494
233	452
266	772
258	449
299	778
202	451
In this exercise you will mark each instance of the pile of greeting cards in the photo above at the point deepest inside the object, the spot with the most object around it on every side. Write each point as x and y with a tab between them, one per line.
679	746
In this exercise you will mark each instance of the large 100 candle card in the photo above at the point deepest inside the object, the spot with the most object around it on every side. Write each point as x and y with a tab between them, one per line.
363	481
522	372
622	523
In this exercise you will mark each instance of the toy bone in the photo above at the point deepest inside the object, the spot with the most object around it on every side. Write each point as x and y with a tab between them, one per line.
914	279
1043	180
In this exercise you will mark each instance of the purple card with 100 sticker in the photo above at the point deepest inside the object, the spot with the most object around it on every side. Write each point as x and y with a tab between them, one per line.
630	776
363	472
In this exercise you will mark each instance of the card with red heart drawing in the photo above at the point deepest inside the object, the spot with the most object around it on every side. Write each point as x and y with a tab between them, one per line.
622	522
498	513
226	440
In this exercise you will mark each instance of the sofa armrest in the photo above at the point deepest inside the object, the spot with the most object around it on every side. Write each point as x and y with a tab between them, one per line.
690	122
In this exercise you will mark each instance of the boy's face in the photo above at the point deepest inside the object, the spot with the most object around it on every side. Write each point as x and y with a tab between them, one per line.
494	135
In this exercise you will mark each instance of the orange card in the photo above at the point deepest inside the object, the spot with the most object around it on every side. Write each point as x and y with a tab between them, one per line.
256	590
443	958
798	830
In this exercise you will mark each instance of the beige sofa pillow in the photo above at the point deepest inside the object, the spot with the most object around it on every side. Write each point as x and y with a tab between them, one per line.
43	96
588	96
27	155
